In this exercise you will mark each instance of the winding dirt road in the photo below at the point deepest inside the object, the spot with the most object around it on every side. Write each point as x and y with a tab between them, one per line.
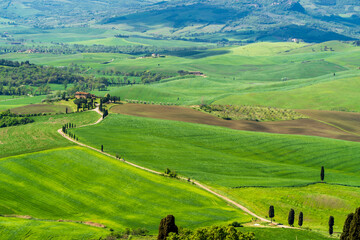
202	186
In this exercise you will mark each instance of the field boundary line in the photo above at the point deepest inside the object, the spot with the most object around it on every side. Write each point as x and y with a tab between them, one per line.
200	185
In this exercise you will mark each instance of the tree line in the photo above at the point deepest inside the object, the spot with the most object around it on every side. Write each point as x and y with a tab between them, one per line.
68	49
8	119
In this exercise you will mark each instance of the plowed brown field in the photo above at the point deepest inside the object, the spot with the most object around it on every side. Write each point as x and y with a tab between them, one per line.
345	126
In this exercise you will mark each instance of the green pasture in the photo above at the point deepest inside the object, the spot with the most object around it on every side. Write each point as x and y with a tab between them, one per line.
225	157
79	184
13	228
18	101
49	108
341	93
269	74
317	202
40	135
255	169
282	234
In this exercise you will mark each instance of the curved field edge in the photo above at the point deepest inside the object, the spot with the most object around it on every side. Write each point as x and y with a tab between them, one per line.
79	184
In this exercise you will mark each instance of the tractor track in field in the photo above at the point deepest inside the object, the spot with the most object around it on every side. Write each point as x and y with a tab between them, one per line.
200	185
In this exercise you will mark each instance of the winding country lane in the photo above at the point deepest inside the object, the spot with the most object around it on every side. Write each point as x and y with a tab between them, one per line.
202	186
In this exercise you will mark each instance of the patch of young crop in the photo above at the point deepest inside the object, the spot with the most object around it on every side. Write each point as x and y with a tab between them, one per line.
252	113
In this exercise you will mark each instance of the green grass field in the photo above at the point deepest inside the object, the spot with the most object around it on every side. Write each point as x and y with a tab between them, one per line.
317	202
267	74
13	228
255	169
276	233
226	159
42	108
40	135
9	103
217	155
79	184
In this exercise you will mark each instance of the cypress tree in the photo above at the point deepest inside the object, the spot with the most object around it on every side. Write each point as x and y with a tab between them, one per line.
322	174
346	229
271	212
331	225
355	226
301	219
291	217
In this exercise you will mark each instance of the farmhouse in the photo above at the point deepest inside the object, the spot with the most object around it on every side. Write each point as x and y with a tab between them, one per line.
84	95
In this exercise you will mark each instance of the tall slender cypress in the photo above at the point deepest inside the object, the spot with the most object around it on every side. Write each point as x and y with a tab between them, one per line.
322	174
291	217
271	212
301	219
331	225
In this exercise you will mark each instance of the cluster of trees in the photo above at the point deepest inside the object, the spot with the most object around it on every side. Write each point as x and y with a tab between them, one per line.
351	229
212	233
170	173
8	119
69	126
145	77
84	104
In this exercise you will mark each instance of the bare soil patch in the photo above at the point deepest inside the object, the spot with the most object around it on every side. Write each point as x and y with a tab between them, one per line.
311	127
344	120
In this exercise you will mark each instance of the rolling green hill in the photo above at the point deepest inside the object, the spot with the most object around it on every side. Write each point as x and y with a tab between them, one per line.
81	185
246	166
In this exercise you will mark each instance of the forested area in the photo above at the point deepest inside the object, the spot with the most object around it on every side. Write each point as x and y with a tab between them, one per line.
20	78
23	78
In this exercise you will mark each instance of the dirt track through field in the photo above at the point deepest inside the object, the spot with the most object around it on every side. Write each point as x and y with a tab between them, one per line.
226	199
316	125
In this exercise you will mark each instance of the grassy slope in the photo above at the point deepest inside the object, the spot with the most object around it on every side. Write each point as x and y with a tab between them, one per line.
288	234
40	135
333	95
217	155
233	73
19	102
12	228
225	158
79	184
41	108
317	202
